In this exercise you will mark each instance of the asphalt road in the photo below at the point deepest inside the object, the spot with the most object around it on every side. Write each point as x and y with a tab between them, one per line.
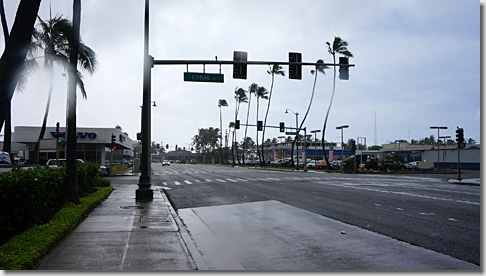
422	210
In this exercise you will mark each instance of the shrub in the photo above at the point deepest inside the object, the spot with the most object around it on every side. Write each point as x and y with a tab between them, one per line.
31	197
23	251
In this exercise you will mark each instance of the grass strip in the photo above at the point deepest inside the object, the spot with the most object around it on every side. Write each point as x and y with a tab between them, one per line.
23	251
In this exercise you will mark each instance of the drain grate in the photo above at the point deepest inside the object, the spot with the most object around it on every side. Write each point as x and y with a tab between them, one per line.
132	207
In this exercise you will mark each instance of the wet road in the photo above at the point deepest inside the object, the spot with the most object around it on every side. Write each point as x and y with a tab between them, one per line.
422	210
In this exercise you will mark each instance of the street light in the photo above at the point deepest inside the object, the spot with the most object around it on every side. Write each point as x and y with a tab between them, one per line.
315	142
297	129
438	135
342	147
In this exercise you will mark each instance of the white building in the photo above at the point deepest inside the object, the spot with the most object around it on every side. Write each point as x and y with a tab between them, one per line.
93	144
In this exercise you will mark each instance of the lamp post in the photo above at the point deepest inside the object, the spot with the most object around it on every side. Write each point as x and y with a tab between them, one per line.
297	129
342	146
315	142
144	192
438	135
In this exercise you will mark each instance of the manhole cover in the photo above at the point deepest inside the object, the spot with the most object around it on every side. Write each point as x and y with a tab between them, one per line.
132	207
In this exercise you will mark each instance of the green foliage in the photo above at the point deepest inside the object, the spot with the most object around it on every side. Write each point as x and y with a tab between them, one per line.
23	251
31	197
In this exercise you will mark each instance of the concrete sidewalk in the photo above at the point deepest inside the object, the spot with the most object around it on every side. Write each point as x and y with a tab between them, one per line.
122	234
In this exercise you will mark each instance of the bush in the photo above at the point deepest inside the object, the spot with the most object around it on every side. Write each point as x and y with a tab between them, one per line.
31	197
23	251
26	196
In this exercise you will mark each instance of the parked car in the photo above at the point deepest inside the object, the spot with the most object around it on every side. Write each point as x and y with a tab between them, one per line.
60	162
411	165
313	164
171	161
104	171
165	163
321	165
5	159
183	161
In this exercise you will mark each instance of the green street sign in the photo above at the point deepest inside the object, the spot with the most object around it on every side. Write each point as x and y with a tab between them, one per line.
203	77
290	133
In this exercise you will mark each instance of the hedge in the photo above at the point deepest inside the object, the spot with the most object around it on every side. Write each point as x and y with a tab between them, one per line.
23	251
31	197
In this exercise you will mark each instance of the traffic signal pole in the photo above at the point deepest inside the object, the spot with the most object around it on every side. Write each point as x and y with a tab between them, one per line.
144	192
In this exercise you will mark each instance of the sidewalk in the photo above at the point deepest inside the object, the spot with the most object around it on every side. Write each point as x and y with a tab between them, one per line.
122	234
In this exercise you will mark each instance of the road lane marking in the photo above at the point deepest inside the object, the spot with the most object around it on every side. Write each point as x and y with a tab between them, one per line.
232	180
188	182
177	183
208	180
164	183
347	185
221	180
241	179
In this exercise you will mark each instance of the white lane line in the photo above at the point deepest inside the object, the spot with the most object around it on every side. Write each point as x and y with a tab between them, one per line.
221	180
232	180
188	182
241	179
177	183
208	180
164	183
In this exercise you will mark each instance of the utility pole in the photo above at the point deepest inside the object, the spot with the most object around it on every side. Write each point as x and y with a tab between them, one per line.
438	150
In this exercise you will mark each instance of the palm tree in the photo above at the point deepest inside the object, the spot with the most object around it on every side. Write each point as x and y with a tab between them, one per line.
274	70
240	96
252	89
260	93
338	46
221	102
53	37
319	69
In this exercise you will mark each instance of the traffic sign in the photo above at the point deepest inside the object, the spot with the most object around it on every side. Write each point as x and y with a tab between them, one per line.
203	77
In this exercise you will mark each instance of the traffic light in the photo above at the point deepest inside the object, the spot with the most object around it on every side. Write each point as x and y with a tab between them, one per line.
353	146
259	125
176	147
239	70
282	127
307	146
295	70
237	124
167	146
113	138
344	70
460	137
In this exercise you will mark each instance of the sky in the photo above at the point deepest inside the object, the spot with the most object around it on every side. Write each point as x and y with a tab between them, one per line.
417	64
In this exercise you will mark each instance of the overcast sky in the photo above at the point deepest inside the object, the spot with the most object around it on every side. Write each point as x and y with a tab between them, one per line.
417	65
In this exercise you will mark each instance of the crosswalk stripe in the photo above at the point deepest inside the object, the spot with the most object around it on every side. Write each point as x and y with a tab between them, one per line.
164	183
177	183
208	180
220	180
188	182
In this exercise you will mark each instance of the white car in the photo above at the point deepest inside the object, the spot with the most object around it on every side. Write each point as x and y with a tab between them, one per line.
411	165
60	162
165	163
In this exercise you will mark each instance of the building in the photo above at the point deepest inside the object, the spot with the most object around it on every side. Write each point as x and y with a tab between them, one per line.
93	144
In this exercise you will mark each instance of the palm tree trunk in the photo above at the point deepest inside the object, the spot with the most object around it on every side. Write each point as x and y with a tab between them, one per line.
71	187
221	138
13	56
246	129
49	66
327	115
7	137
258	150
265	121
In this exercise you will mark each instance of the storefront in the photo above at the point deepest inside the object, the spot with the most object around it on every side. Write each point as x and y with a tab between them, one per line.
93	144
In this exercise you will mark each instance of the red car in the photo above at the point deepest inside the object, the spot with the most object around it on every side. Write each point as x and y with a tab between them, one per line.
321	165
